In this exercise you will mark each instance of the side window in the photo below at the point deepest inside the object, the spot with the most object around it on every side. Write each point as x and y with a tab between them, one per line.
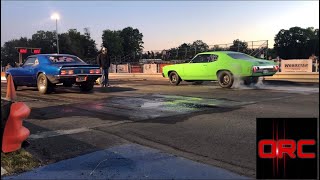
30	61
201	58
213	58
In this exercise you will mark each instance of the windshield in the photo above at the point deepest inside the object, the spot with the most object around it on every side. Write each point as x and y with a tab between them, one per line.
64	59
240	56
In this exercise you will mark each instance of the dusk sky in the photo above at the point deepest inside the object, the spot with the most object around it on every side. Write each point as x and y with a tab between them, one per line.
164	24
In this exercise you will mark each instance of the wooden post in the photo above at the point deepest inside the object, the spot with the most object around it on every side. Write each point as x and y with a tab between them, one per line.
20	58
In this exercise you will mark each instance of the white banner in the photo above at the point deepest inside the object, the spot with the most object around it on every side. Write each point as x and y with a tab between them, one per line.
296	65
150	68
123	68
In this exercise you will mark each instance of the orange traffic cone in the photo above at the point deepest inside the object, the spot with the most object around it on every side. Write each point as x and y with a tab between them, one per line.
14	132
11	91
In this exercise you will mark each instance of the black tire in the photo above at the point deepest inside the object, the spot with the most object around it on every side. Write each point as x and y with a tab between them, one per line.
174	78
225	79
15	85
250	80
43	84
86	86
197	82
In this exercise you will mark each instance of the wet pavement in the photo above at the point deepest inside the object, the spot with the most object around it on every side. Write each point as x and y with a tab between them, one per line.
151	106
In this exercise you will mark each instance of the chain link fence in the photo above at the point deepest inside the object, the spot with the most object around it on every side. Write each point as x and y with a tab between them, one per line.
257	49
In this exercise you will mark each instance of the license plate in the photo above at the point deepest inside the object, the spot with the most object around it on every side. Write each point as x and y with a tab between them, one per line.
81	78
265	71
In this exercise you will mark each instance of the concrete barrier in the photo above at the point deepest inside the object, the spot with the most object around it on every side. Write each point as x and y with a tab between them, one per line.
312	77
157	76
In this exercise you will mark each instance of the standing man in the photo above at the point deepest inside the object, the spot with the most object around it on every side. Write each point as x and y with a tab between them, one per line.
103	61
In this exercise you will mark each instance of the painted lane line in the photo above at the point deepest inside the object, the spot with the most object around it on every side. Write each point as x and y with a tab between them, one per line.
47	134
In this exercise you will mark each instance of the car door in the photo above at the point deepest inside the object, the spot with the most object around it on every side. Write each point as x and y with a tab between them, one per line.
197	69
212	67
28	71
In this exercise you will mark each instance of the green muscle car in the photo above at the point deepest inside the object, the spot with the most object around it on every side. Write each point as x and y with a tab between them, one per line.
221	66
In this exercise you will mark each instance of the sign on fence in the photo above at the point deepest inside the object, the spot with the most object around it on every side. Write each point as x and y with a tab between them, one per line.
113	68
150	68
297	65
136	69
123	68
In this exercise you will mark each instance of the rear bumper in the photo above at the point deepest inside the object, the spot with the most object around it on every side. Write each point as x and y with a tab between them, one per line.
264	74
55	79
265	70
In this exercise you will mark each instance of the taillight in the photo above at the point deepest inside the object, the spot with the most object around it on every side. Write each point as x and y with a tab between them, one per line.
91	71
276	68
64	72
98	71
254	69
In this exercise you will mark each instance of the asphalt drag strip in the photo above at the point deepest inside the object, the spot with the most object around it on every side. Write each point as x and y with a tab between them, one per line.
142	107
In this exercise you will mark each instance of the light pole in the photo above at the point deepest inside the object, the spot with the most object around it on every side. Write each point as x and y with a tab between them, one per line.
56	17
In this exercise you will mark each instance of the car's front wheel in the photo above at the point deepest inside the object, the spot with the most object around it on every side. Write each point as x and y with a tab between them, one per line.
225	79
174	78
44	85
86	86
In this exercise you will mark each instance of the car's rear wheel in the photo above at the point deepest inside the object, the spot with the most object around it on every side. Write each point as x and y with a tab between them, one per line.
43	84
86	86
225	79
174	78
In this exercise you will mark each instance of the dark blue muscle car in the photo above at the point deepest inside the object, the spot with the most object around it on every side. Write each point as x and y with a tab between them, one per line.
46	70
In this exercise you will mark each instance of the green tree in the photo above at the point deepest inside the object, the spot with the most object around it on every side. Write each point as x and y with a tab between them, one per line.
89	45
184	51
113	41
297	42
217	48
132	41
199	46
239	46
46	40
9	53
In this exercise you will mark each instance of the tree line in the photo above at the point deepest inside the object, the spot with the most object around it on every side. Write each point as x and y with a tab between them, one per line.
126	45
